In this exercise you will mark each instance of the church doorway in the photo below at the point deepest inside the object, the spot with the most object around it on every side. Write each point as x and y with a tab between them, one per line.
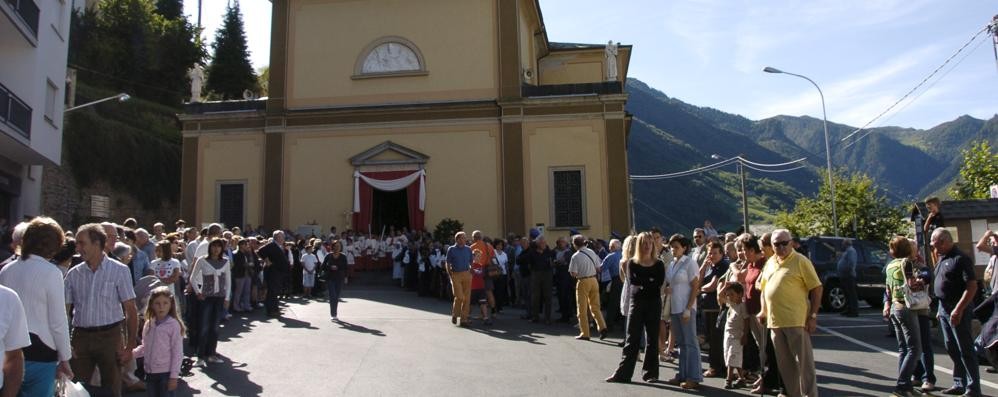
389	209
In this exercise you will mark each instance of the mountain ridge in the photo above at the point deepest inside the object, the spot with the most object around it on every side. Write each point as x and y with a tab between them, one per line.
669	135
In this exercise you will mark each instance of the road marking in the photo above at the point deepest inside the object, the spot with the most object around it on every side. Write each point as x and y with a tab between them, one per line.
892	354
854	326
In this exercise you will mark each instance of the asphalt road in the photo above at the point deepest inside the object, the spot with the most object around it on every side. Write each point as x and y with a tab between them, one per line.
393	343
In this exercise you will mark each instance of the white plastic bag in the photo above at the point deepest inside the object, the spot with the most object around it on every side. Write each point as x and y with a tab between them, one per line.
68	388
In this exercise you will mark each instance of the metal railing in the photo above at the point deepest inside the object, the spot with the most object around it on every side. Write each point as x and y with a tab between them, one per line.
14	112
28	11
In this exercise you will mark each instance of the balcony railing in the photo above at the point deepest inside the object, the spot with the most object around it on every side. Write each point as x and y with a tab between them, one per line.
14	112
28	11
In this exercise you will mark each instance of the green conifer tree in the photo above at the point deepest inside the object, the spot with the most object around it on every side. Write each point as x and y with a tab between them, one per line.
230	72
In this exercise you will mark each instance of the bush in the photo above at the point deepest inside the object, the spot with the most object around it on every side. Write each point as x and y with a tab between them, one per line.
446	229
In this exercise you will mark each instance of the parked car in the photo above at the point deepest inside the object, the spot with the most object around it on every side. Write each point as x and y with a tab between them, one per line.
824	252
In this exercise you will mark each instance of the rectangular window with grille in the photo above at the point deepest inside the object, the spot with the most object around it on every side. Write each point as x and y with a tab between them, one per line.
568	205
231	204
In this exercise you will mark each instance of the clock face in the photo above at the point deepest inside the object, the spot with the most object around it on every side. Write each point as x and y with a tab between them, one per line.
390	57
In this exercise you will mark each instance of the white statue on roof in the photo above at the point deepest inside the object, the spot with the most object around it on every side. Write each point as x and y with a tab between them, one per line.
611	60
197	79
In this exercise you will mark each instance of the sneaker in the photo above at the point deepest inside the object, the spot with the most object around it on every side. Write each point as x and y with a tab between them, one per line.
215	360
728	385
334	318
954	391
199	363
927	387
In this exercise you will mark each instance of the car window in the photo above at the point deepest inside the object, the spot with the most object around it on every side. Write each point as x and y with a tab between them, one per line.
875	253
823	252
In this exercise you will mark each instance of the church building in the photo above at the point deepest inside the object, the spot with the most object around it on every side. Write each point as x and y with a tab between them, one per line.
403	113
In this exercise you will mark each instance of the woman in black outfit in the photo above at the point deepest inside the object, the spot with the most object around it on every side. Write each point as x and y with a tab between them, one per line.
335	268
646	275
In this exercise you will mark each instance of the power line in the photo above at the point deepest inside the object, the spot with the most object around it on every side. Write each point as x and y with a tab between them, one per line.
941	77
906	95
736	159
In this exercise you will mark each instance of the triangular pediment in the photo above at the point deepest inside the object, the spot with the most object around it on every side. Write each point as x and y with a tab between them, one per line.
388	153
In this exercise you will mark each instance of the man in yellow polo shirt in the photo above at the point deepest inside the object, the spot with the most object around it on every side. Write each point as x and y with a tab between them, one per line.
787	281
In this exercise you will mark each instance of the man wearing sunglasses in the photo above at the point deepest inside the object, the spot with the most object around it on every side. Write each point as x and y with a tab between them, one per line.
787	282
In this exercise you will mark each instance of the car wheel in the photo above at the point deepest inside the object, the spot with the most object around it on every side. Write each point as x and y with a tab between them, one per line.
835	297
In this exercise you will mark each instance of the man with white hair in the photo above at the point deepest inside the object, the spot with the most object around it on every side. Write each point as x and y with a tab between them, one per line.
144	243
15	245
276	272
787	282
955	284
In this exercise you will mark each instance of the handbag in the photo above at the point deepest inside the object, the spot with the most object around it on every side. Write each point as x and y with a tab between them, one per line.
916	300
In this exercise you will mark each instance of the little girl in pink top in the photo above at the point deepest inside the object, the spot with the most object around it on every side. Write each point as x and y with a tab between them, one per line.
162	344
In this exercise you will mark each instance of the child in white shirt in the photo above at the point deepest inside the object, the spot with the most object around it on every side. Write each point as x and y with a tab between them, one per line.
308	262
734	334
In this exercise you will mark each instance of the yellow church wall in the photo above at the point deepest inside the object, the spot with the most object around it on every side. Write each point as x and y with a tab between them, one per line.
566	144
462	179
230	158
528	44
572	67
327	37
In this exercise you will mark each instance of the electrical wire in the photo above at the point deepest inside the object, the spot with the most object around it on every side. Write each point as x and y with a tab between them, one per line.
711	167
906	95
915	98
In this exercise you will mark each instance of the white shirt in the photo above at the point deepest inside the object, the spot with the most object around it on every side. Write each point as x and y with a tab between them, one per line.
164	270
308	261
584	263
192	248
680	273
43	296
13	325
503	260
202	250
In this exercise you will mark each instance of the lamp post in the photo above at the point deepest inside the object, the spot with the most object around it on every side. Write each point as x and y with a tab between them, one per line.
120	97
741	175
828	150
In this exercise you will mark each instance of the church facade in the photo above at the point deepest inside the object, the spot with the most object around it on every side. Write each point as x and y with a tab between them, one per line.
400	113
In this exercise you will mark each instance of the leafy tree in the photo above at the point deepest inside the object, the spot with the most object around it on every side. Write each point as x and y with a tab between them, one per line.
264	80
978	173
126	45
170	9
230	72
863	211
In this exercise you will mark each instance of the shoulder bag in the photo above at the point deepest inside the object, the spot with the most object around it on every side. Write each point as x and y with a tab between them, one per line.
915	300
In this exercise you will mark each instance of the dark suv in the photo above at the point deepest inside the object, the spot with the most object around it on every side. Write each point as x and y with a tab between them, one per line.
824	253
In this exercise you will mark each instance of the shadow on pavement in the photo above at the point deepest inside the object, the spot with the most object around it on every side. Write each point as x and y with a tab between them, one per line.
293	323
229	380
359	328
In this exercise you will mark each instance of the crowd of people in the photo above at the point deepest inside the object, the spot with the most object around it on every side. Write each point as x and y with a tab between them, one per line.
112	305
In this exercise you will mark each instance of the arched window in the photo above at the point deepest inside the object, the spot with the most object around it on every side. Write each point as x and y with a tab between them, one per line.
390	56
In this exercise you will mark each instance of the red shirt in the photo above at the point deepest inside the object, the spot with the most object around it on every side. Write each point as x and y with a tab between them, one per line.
753	303
477	276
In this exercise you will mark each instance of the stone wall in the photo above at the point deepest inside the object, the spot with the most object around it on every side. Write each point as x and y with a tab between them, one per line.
70	204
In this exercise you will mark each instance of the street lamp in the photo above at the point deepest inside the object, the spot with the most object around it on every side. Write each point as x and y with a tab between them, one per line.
828	150
120	97
741	174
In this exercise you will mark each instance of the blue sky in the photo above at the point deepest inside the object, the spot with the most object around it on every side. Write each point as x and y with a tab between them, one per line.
865	55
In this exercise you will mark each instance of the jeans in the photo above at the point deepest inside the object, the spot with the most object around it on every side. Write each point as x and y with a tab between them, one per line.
960	347
157	385
928	357
39	379
540	294
335	288
689	347
848	283
643	321
241	294
211	315
909	344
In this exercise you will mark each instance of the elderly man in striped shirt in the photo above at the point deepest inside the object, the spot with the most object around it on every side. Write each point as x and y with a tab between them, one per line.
100	299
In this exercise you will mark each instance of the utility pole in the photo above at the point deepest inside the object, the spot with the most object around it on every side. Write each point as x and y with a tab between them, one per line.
741	174
199	14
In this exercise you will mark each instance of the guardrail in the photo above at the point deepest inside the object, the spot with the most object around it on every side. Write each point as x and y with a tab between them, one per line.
14	112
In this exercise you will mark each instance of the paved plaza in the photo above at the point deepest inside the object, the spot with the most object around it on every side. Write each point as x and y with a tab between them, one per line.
392	343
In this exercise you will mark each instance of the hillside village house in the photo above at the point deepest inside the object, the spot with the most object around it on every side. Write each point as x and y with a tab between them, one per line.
395	112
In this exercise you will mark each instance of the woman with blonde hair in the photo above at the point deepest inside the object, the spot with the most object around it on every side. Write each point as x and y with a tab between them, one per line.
645	274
